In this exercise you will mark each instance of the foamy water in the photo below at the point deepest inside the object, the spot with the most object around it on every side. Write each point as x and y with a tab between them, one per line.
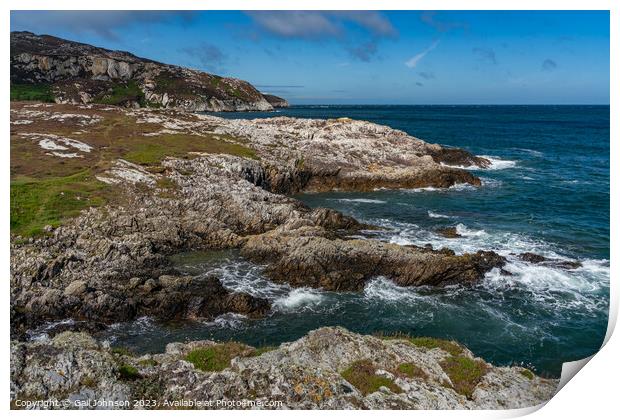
546	191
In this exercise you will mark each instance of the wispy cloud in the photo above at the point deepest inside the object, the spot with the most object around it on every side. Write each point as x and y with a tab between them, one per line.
419	84
364	52
426	75
413	61
104	23
208	55
485	54
319	24
549	65
430	18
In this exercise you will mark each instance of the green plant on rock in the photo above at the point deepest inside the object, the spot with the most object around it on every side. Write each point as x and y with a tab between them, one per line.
464	372
527	373
121	351
263	349
123	93
411	371
431	343
128	372
217	357
361	375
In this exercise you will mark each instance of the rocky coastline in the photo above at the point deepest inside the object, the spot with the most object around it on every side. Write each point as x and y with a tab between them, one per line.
329	368
230	188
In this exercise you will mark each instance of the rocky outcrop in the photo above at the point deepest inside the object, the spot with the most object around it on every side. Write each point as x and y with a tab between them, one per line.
449	232
351	155
312	257
313	372
550	262
111	263
167	297
81	73
276	101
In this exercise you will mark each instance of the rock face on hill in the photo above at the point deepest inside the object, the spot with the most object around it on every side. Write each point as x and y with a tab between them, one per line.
81	73
276	101
330	368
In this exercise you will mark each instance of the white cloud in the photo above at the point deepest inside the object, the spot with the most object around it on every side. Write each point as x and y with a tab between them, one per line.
316	24
413	61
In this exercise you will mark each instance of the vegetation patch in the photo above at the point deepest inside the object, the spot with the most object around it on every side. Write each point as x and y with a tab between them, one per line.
217	357
465	373
31	92
36	203
121	351
166	183
152	150
361	375
432	343
263	349
527	373
411	371
128	372
427	342
122	94
147	362
48	190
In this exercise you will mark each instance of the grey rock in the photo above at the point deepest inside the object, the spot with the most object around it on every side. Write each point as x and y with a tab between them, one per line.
305	374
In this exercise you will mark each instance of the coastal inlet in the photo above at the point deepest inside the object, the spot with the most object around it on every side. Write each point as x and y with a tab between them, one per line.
546	193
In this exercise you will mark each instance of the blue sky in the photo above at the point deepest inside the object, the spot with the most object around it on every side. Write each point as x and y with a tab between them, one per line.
356	57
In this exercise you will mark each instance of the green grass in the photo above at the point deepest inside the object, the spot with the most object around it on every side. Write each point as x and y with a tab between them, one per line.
121	94
263	349
166	183
465	373
361	375
148	362
527	373
31	92
431	343
121	351
36	203
411	371
151	151
215	358
128	372
427	342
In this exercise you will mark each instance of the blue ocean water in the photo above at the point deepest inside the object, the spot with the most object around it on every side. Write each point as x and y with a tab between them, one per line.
547	192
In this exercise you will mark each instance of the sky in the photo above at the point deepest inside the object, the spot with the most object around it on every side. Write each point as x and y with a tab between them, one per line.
366	57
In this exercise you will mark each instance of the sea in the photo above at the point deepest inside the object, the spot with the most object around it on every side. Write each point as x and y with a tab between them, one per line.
547	192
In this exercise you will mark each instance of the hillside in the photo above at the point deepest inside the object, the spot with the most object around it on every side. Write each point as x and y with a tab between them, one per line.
52	69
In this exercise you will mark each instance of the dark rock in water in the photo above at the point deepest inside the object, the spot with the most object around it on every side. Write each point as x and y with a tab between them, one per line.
168	297
310	257
549	262
459	157
449	232
532	258
89	327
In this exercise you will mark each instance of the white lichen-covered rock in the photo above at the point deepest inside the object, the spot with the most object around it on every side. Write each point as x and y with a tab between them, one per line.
305	374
